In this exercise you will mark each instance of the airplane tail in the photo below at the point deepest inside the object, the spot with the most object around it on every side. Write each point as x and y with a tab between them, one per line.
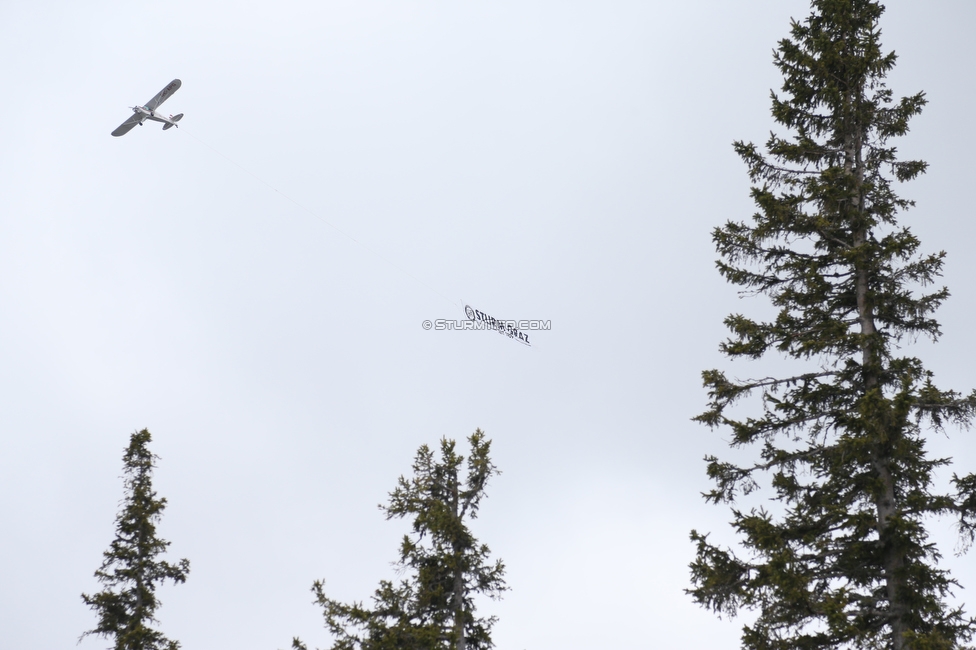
176	118
167	125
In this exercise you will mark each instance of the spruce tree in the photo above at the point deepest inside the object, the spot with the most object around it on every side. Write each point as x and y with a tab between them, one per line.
130	570
842	558
433	607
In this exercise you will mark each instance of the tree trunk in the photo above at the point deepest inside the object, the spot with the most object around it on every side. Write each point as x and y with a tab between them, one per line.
459	608
458	588
892	557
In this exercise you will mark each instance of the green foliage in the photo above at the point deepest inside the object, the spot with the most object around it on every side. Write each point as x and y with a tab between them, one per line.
433	608
130	571
846	561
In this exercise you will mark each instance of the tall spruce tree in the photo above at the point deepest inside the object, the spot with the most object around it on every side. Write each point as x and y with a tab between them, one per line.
131	571
845	560
433	608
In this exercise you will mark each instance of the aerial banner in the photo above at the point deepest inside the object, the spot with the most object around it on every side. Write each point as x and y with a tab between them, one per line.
507	327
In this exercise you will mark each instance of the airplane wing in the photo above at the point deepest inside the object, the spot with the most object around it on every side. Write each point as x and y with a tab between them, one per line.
126	126
164	94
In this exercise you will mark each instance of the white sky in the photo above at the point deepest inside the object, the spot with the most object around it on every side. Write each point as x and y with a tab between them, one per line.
555	160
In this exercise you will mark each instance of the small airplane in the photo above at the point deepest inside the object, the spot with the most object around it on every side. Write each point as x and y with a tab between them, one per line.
148	112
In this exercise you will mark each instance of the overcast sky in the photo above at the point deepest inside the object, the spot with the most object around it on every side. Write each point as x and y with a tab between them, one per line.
563	161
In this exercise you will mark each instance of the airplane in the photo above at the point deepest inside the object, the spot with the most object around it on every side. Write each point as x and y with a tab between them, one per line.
148	112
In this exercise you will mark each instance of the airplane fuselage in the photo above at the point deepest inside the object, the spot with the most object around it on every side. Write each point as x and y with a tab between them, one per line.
147	114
